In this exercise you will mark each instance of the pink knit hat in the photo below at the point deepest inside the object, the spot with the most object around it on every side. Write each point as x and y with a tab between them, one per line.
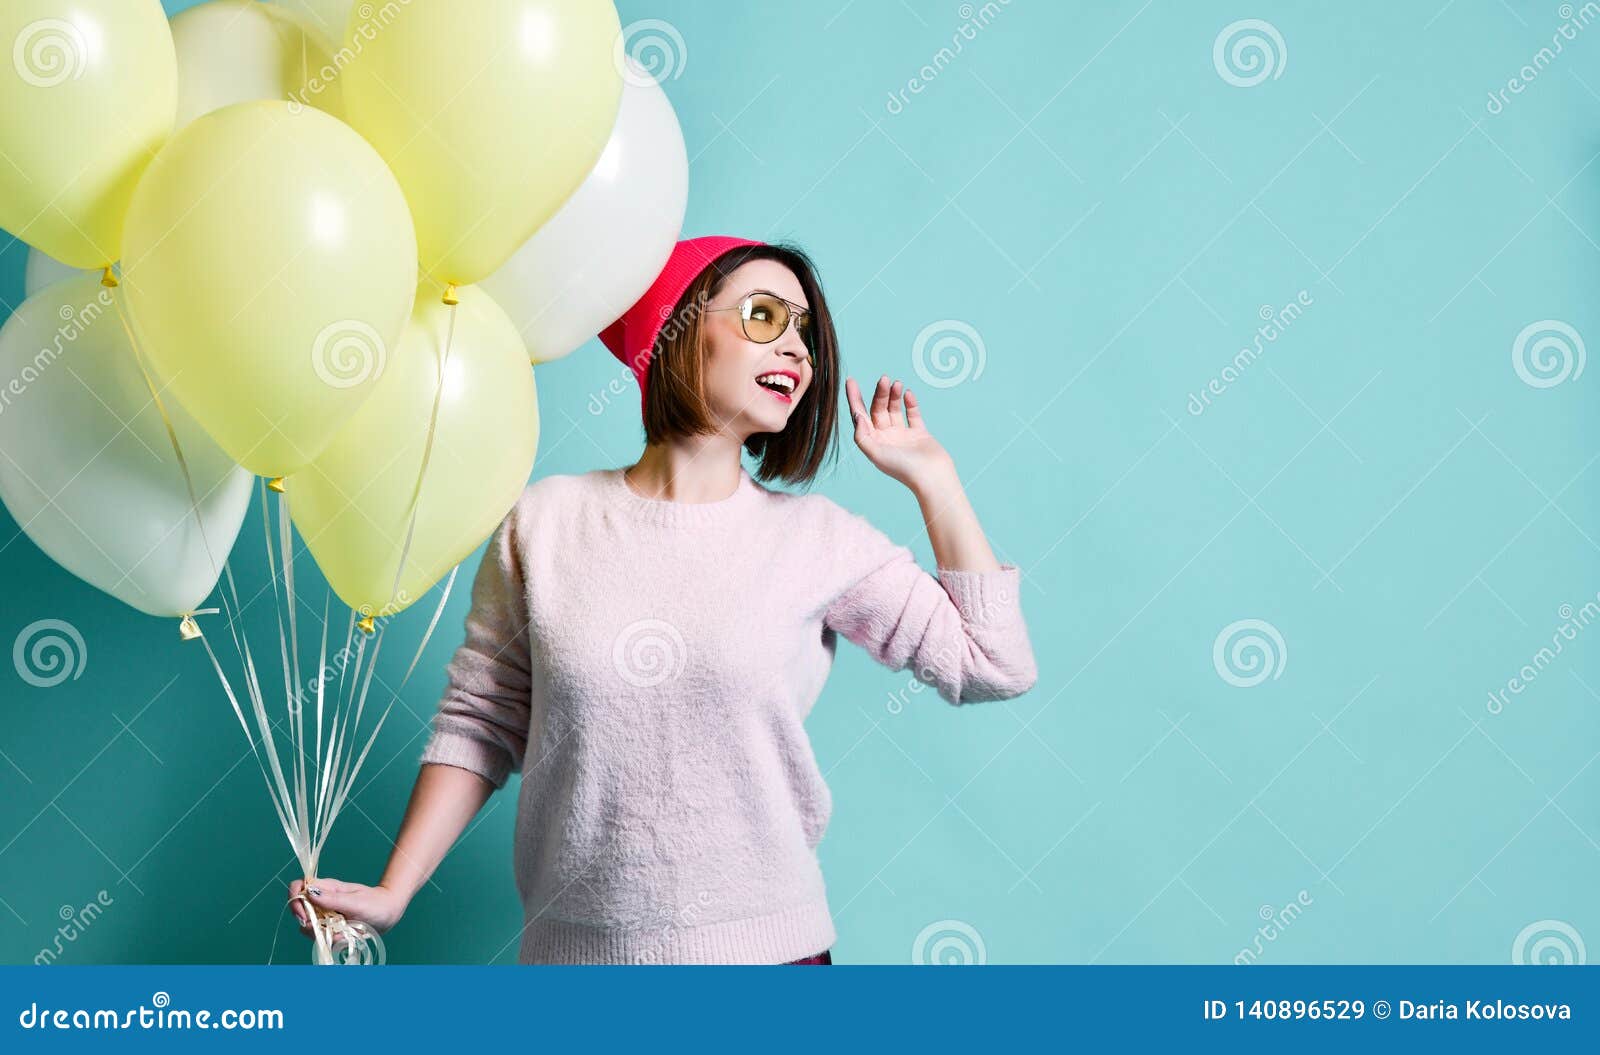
632	338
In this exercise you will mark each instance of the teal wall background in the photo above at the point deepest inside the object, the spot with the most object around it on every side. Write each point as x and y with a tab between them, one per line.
1398	492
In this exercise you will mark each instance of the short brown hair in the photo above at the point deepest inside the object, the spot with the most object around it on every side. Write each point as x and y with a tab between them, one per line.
675	401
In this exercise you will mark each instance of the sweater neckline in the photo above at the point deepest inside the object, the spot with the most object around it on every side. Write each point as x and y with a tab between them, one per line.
670	511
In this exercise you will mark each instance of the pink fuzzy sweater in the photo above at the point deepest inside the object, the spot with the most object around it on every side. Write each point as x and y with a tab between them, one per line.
648	666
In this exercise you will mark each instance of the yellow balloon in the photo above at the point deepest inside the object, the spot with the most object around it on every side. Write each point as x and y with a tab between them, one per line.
230	51
490	113
353	504
88	101
270	264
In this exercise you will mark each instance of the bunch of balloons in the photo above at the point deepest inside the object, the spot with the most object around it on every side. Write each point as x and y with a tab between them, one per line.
315	241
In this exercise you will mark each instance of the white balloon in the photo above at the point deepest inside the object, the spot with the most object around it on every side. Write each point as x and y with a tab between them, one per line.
45	270
234	51
86	467
599	253
328	17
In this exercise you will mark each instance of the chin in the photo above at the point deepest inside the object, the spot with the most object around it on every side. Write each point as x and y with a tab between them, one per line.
768	415
766	423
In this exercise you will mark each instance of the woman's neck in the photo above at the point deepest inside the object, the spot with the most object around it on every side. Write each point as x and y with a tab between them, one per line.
687	469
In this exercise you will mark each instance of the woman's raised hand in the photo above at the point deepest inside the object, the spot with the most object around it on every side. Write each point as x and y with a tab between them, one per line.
893	436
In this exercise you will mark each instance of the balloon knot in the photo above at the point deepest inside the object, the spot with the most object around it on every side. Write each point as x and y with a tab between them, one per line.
108	278
450	297
276	484
188	629
367	625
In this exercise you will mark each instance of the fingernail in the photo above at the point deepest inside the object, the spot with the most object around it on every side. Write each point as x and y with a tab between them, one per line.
316	891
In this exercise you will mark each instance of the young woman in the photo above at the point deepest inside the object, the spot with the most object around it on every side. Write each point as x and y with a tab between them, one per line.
645	643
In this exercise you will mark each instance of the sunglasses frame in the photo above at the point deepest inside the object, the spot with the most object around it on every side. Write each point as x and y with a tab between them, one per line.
796	312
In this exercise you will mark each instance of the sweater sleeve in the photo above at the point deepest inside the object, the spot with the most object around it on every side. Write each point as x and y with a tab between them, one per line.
482	721
962	632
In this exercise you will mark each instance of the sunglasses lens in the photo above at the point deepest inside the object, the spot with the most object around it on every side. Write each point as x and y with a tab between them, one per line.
766	318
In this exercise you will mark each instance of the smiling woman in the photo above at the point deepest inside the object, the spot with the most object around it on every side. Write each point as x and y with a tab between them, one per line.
645	643
711	367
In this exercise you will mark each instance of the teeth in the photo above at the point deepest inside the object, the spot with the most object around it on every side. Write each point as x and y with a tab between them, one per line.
782	380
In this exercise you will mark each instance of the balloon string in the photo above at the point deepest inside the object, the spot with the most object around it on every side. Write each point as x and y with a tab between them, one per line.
345	771
322	925
427	453
432	623
362	944
172	433
297	731
325	923
260	716
433	421
289	793
290	808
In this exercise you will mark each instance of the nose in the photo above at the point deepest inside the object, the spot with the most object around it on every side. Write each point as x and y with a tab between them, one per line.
790	342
